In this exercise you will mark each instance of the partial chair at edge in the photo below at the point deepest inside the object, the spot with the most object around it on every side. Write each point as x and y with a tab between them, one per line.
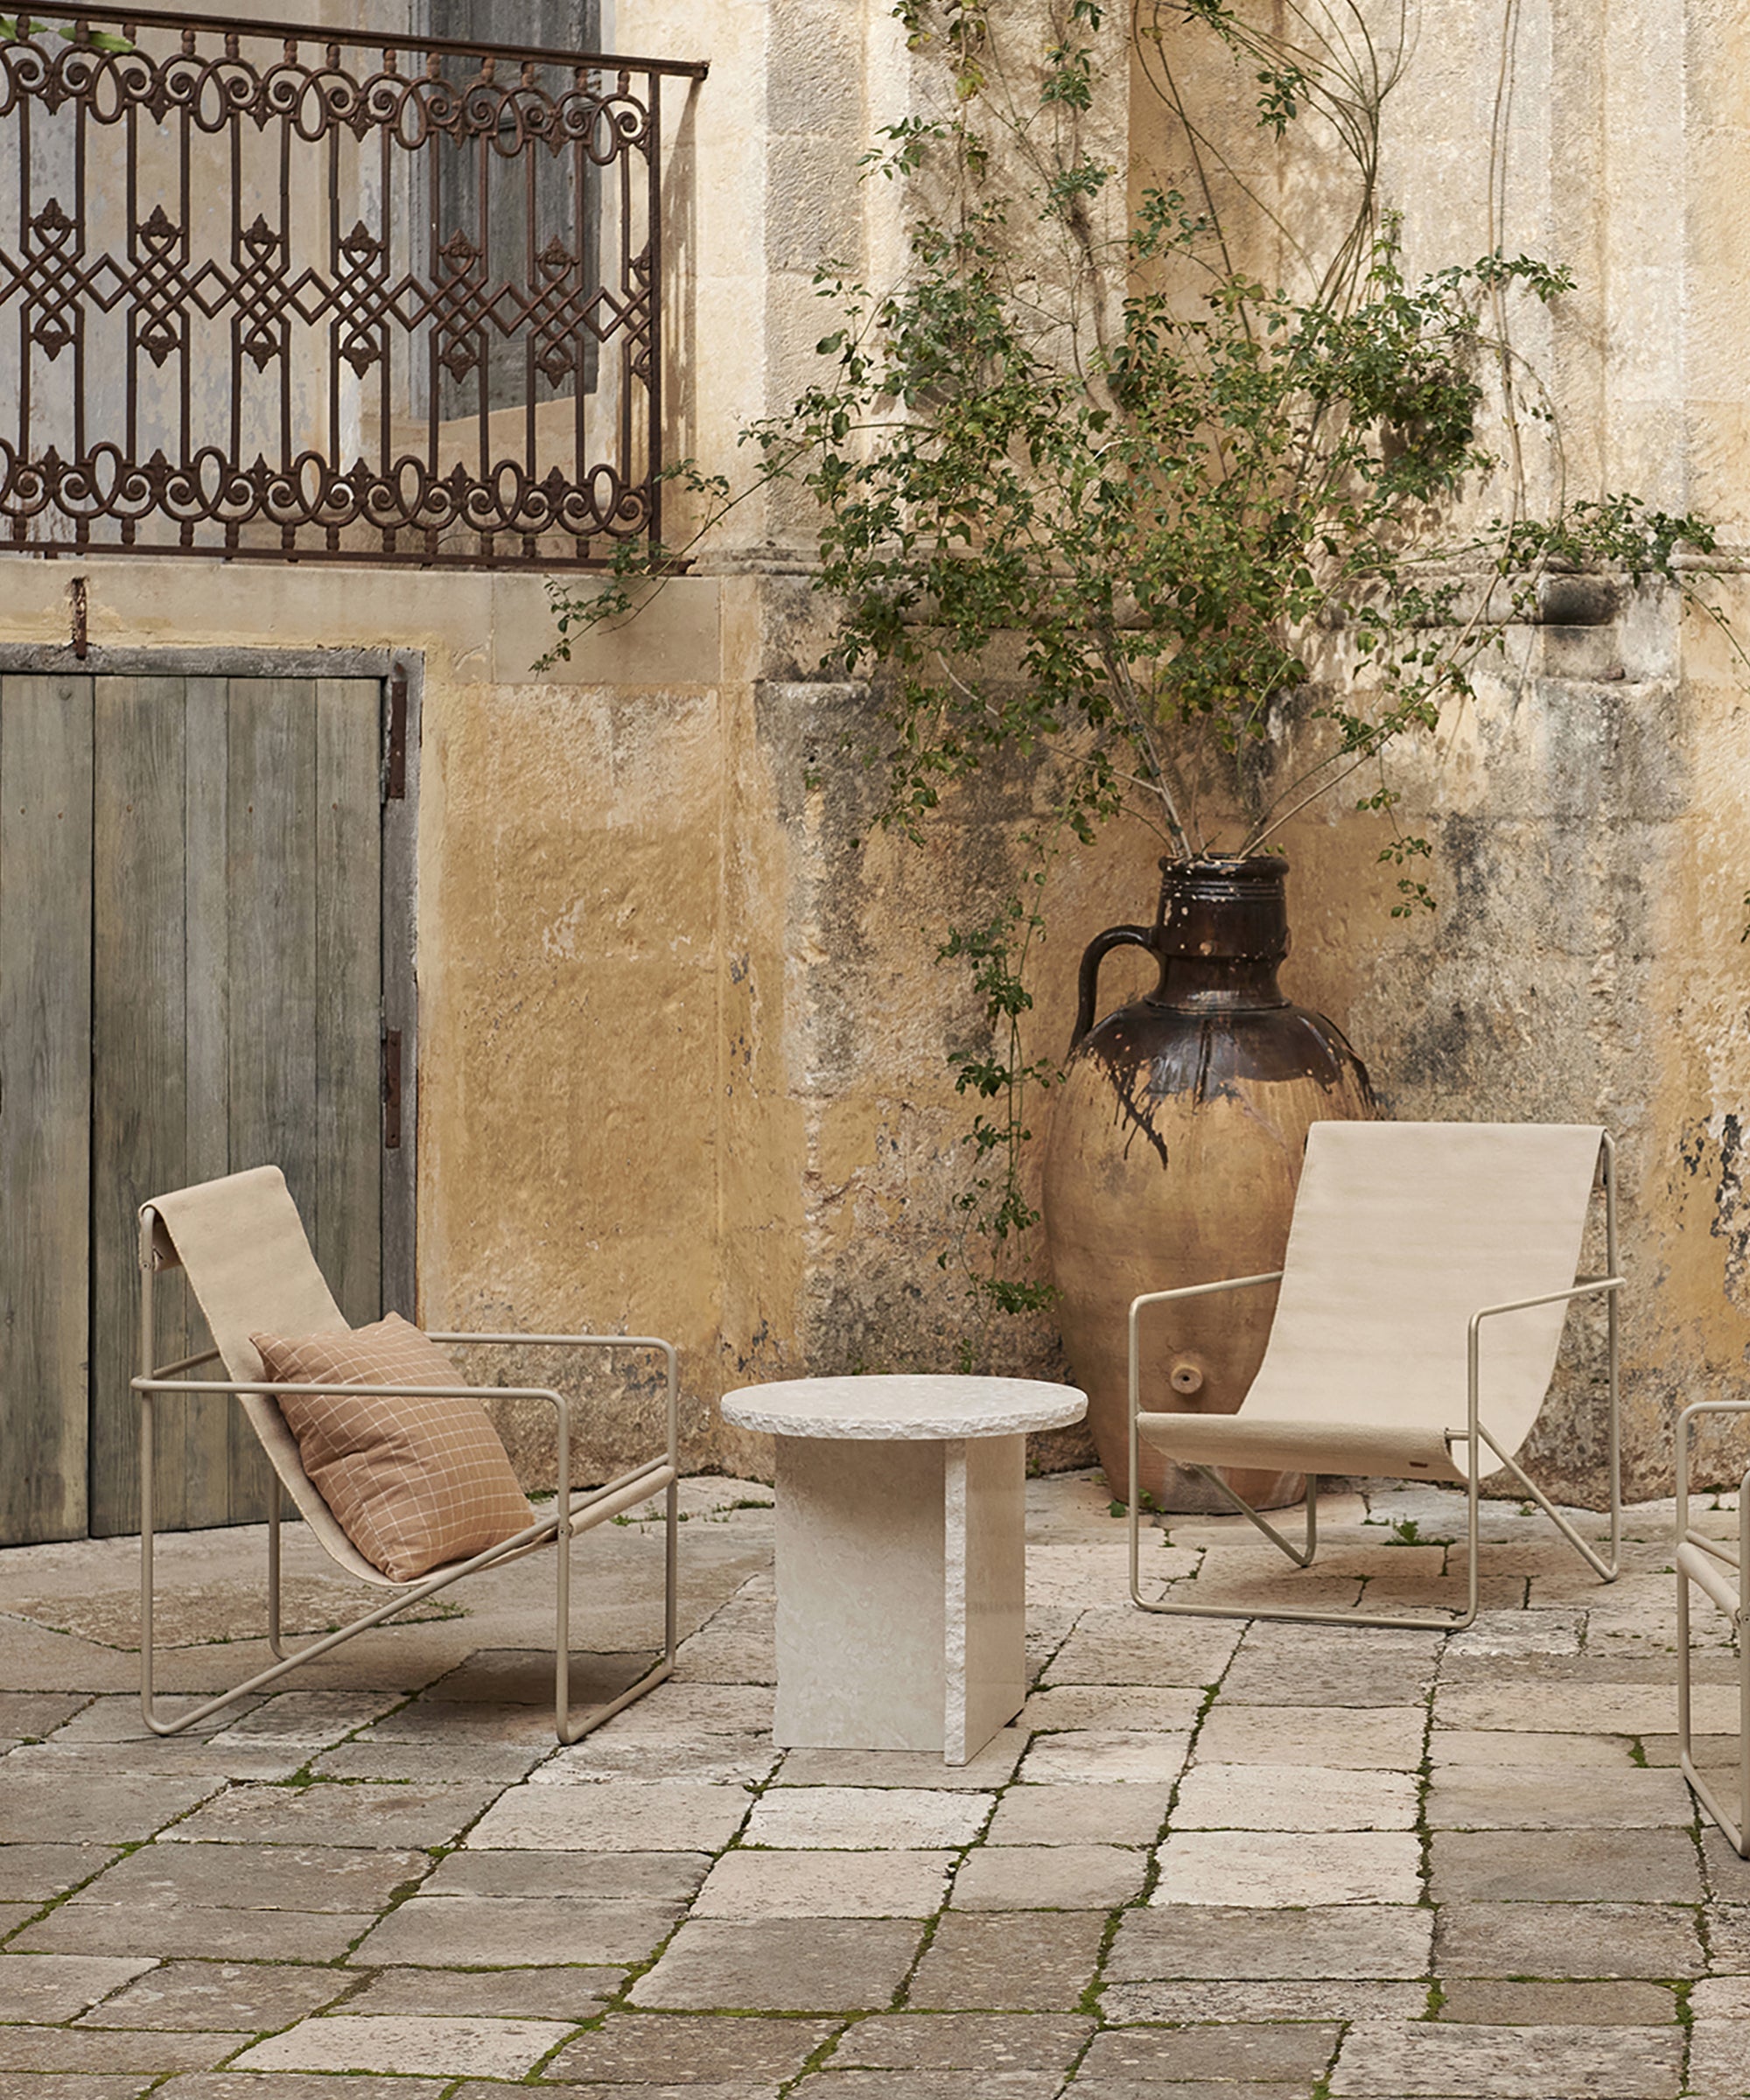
1428	1270
242	1246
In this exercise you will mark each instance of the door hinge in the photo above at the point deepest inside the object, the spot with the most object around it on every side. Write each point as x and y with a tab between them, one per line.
395	739
391	1089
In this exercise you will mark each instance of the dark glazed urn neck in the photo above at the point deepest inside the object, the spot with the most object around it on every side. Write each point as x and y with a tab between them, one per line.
1221	933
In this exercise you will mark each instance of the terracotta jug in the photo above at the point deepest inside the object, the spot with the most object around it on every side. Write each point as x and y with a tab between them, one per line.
1175	1146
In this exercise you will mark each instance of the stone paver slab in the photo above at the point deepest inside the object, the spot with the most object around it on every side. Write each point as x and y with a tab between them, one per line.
465	1764
248	2085
993	1767
195	1932
1101	1756
257	1877
1120	1646
1386	1738
962	2041
1720	2058
1522	1632
1567	1940
1539	1798
1293	1797
1297	2051
1554	1706
782	1965
368	1813
712	2088
504	2048
308	1719
1455	1748
863	1817
825	1885
833	2085
1013	1961
50	1987
1065	1876
1482	2002
250	1996
724	1761
1258	1868
1570	1866
467	1932
1103	2088
615	1816
34	1873
1721	1998
645	2050
1361	1941
75	2085
1120	1708
87	2050
37	1713
677	1712
1395	2062
46	1807
1080	1814
574	1877
1183	2004
565	1994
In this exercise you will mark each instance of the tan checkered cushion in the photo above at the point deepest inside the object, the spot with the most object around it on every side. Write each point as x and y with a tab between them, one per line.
412	1483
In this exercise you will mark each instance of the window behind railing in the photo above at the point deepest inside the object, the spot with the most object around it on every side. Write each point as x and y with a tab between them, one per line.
271	292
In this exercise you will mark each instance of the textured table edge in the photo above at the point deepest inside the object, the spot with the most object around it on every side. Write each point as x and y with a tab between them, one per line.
751	1407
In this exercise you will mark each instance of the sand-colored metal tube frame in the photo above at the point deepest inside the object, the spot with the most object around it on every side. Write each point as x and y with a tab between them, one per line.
572	1515
1717	1569
1474	1436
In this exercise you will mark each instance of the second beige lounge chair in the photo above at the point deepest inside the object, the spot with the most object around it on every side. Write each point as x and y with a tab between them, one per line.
1428	1274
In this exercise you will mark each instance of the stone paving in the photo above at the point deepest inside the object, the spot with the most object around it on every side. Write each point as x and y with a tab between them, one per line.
1212	1861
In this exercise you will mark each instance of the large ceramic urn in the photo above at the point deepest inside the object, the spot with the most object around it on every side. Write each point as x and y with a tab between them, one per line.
1175	1146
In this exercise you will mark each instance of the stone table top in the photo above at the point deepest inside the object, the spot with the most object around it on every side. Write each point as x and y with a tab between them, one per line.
904	1407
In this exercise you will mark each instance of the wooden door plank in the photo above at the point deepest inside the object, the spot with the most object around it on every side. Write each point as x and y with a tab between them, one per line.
347	1226
44	1102
206	970
137	1076
271	888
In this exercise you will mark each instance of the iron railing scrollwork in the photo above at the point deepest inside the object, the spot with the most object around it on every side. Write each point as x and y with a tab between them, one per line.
275	292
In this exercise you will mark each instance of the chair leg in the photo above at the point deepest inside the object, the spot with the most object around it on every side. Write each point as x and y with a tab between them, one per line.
1444	1622
571	1729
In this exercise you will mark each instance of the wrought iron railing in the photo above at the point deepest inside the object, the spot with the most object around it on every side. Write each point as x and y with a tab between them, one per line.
294	294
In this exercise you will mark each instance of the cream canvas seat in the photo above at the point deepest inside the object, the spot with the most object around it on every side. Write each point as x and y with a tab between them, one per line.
1426	1281
242	1246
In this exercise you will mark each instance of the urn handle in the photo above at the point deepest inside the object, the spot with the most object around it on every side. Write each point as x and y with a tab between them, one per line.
1095	953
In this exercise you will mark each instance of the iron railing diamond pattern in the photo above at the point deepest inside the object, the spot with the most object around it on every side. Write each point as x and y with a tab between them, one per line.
269	291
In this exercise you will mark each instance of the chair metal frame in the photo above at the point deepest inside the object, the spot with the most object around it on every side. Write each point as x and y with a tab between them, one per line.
1715	1567
571	1516
1475	1434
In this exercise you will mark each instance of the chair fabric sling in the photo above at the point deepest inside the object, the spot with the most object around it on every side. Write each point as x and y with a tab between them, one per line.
242	1246
1403	1235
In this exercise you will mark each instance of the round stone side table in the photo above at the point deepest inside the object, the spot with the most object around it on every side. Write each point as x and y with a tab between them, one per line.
901	1575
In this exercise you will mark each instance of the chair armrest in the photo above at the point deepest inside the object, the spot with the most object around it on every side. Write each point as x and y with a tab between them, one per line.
1693	1412
1472	1339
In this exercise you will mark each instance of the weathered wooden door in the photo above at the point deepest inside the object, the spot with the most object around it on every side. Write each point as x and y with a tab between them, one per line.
191	982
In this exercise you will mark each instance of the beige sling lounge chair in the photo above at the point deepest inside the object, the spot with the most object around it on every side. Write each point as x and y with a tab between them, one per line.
1428	1270
242	1246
